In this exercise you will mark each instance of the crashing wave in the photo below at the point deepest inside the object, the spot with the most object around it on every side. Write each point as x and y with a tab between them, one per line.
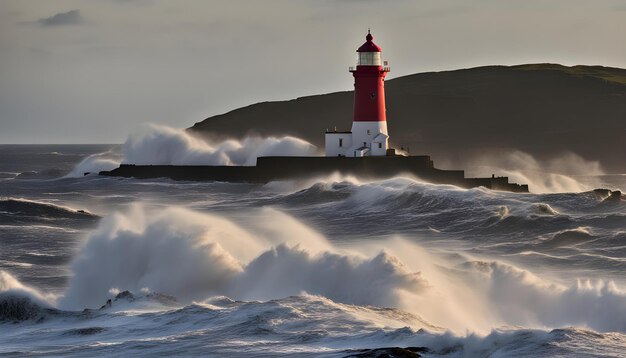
191	256
162	145
16	306
19	302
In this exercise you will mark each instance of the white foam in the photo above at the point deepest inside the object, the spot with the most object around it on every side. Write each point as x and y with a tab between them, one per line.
543	176
192	256
162	145
12	287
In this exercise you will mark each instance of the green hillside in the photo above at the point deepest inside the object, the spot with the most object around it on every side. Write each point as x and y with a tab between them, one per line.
542	109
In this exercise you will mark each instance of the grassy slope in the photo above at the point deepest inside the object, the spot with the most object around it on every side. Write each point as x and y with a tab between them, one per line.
610	74
543	109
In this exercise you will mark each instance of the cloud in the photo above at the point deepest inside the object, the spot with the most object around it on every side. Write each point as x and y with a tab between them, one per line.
71	17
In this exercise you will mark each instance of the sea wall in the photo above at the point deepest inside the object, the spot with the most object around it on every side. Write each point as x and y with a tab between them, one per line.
284	168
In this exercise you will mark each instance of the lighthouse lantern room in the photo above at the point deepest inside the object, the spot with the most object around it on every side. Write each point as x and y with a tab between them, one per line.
368	136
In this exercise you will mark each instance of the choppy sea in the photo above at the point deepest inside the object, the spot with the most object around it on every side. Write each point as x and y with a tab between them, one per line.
333	266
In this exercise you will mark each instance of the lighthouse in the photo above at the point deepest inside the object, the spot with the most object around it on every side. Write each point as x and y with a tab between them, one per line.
368	136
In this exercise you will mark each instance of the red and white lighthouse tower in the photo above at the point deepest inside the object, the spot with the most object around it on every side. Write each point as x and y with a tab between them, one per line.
369	123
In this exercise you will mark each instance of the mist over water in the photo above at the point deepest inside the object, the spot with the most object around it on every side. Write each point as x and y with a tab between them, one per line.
312	267
557	175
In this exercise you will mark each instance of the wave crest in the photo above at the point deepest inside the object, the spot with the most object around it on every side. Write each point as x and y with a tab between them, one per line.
19	302
191	255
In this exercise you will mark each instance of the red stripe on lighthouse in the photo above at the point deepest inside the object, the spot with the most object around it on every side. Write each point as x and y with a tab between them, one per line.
369	94
369	86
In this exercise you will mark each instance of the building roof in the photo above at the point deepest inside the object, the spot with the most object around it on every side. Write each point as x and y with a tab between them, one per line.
369	45
380	138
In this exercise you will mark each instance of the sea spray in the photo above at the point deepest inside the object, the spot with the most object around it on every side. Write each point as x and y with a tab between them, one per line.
19	302
556	175
162	145
193	256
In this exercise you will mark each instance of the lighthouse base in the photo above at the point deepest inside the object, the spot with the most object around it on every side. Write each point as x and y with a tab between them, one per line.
366	139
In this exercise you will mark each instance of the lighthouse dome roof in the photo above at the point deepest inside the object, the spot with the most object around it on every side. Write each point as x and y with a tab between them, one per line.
369	45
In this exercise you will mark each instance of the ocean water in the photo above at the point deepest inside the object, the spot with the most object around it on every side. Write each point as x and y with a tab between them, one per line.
328	266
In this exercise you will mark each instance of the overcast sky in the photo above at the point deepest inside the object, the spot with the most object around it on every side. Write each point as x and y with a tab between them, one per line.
91	71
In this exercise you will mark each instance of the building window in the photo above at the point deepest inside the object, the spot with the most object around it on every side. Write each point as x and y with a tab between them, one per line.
369	59
368	132
341	142
380	145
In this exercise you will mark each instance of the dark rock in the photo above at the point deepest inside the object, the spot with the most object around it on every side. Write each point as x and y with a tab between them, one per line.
128	296
125	295
163	299
107	304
